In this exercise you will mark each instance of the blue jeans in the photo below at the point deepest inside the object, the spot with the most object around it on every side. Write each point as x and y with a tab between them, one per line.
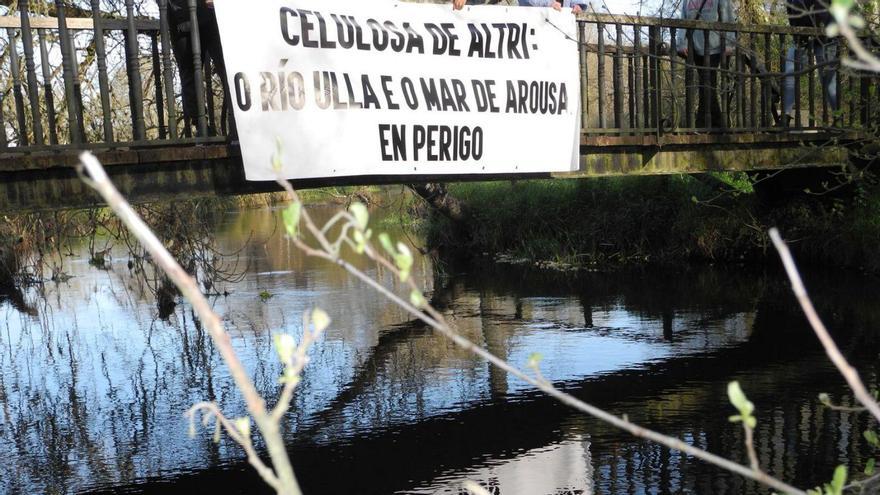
825	51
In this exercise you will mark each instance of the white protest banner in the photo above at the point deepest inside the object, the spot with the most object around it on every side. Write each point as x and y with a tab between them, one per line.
373	87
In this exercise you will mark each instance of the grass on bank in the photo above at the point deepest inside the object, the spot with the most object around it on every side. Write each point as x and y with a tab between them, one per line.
713	217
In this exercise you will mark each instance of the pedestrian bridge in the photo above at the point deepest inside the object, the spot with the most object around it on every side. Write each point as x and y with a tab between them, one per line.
106	82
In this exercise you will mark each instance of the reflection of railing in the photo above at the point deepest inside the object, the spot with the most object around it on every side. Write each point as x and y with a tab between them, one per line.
635	81
116	80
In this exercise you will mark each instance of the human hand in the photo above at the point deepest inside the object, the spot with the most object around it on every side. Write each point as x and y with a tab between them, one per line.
209	4
728	51
458	4
557	6
577	9
683	51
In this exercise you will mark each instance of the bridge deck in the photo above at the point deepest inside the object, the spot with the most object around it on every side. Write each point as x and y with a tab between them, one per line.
115	91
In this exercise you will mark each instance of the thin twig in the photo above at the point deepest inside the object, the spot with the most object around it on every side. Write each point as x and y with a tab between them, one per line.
98	180
849	373
436	321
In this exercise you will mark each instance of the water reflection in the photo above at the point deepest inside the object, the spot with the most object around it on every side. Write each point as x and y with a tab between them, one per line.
93	383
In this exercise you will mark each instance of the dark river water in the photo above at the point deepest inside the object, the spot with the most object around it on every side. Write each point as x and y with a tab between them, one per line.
93	384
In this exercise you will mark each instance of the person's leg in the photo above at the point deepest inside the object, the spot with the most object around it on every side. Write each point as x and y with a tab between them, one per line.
788	88
704	81
825	51
717	116
183	55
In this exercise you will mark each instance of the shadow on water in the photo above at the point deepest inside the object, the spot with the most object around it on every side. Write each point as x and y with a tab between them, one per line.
92	391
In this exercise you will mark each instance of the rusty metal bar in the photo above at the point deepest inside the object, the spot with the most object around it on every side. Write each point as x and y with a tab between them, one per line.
753	82
584	80
631	93
705	82
209	97
48	92
167	68
67	64
616	79
689	81
725	101
811	89
782	83
157	83
3	143
103	82
673	62
195	39
656	104
23	138
136	86
27	41
600	72
766	87
637	76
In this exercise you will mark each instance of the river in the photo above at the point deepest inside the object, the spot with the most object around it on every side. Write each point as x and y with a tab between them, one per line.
94	383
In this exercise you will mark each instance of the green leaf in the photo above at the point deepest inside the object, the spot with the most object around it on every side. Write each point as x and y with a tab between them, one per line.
243	425
360	242
872	438
277	165
739	400
385	241
870	467
291	216
404	261
838	480
285	346
360	214
535	359
416	298
320	319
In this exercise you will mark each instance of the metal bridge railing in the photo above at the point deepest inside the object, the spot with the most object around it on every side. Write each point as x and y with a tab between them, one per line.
99	78
110	79
634	81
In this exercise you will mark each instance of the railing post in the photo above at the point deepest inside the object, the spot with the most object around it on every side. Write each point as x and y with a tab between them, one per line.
3	143
68	69
47	87
600	71
811	88
136	87
798	66
27	38
157	79
195	39
103	82
23	139
673	61
167	69
689	80
865	89
209	97
765	84
617	76
722	64
753	86
637	74
654	34
782	64
705	82
582	55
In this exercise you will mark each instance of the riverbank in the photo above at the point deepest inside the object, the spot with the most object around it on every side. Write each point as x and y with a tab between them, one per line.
666	219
